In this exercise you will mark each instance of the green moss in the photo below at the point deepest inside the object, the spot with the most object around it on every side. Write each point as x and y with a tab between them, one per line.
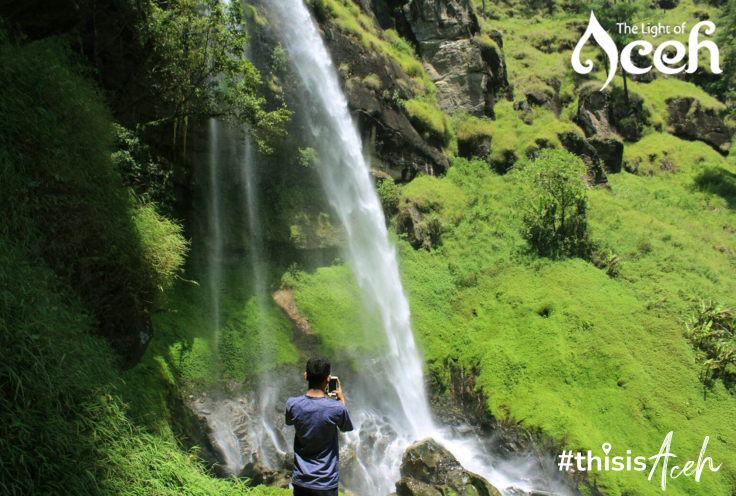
256	339
428	119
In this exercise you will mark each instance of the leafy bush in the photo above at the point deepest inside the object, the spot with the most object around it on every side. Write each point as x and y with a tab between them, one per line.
555	207
148	175
389	192
64	428
711	331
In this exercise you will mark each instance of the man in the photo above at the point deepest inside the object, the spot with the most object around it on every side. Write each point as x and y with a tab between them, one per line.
317	417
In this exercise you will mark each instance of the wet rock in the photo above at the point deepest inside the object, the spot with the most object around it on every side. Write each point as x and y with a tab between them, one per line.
259	474
302	330
690	120
412	487
468	72
427	468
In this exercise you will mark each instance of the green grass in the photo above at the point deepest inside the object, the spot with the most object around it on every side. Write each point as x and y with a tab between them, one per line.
563	347
428	120
511	133
331	300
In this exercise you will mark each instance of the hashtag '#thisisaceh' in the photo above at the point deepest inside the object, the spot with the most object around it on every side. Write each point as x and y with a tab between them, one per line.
565	460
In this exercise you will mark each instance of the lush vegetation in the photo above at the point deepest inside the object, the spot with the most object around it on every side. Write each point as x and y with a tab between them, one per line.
86	255
590	315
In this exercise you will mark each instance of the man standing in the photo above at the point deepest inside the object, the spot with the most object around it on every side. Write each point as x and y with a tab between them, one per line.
317	417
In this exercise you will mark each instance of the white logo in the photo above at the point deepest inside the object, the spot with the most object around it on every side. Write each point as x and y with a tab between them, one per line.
662	62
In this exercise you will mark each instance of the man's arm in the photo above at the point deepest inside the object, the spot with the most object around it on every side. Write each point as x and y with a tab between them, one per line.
289	415
346	424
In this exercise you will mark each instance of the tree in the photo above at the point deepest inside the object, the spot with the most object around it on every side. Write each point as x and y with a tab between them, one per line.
610	14
554	205
197	66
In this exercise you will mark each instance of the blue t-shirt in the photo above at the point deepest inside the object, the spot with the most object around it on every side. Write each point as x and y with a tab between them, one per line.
316	450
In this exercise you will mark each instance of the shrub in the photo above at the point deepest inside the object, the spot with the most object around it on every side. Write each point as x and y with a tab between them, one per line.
711	331
388	192
555	205
64	200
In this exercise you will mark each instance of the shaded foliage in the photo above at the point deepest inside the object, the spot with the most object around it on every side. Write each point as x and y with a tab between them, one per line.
63	199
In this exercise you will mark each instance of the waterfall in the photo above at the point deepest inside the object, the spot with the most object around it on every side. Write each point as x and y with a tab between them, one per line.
397	417
223	430
390	407
346	179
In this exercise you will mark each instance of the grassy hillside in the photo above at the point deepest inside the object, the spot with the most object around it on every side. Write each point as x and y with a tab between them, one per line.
80	254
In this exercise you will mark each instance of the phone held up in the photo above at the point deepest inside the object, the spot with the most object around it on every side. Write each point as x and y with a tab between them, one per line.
332	387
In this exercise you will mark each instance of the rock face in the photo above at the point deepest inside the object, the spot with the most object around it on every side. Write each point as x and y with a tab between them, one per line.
371	81
468	70
690	120
582	147
598	115
428	469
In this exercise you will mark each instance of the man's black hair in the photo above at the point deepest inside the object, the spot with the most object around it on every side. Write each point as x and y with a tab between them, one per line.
318	368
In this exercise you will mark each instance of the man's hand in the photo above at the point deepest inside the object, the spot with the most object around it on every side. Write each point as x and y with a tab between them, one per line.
338	392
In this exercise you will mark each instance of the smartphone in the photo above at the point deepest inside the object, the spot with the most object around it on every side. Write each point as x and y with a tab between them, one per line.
332	386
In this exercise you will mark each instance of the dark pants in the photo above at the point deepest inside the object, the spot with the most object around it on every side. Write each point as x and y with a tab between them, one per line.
304	491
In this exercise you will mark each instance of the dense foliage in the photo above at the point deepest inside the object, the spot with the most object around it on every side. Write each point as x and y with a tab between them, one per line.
554	205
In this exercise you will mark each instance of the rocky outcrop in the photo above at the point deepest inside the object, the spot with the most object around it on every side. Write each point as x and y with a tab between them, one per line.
467	68
581	147
604	113
690	120
610	152
428	469
374	83
421	227
478	146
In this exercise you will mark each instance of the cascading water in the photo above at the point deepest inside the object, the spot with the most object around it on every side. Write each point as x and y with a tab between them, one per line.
271	445
346	179
390	408
223	430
